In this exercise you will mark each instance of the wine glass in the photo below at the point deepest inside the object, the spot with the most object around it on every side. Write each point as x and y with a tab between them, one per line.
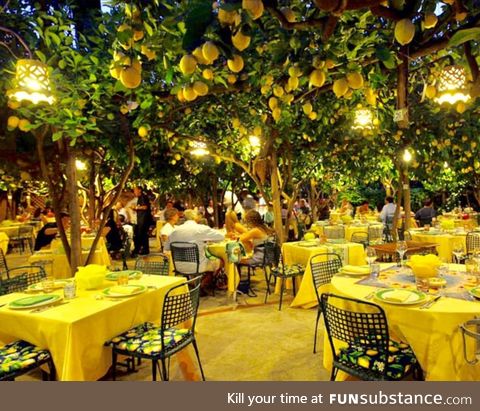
401	250
371	256
457	251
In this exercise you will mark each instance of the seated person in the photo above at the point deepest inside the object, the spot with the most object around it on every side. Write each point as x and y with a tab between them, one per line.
323	209
254	239
426	215
232	225
112	233
346	208
363	209
171	217
49	231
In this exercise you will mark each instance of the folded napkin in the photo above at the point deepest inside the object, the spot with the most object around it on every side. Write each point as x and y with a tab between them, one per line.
357	269
124	290
25	302
397	296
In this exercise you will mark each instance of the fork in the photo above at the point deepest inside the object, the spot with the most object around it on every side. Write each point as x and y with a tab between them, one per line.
370	295
428	304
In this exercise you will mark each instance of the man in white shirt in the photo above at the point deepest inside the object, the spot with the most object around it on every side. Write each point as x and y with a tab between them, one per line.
388	210
192	232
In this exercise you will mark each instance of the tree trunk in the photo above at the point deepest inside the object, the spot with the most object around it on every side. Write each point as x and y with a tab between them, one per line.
74	211
91	193
215	202
276	199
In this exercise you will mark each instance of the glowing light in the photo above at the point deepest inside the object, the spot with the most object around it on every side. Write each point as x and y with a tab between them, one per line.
80	165
407	156
452	85
199	149
254	141
31	82
363	119
445	165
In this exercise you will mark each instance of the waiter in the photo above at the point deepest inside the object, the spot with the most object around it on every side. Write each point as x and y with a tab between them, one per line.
144	220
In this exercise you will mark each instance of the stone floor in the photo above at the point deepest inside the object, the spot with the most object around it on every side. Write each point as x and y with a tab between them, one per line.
245	340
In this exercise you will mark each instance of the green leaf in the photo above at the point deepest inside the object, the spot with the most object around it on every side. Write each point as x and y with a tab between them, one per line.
148	28
55	38
41	56
196	22
462	36
57	136
62	64
95	60
169	75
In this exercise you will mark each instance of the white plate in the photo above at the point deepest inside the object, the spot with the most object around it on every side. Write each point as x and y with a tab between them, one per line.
137	289
411	296
47	300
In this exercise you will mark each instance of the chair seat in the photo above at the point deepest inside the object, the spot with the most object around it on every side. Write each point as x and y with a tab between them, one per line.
145	339
288	270
401	359
20	356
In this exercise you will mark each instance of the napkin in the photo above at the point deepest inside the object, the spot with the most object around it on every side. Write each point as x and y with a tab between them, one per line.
32	300
124	290
425	266
357	269
397	296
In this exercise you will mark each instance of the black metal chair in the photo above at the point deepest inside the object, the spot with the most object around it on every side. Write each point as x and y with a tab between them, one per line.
24	237
375	235
156	264
324	266
334	232
360	238
186	259
361	344
388	229
20	357
473	243
159	343
280	270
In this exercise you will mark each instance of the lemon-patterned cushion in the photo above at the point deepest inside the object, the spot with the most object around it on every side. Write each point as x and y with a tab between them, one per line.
146	339
400	358
289	270
19	356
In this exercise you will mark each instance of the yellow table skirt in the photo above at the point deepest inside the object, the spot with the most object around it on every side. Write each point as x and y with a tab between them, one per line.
293	253
4	242
445	243
433	334
75	332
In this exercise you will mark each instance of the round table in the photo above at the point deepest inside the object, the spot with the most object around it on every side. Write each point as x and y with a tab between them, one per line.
445	241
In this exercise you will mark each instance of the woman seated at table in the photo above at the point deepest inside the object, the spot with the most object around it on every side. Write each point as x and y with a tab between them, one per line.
363	209
254	239
112	233
233	227
49	231
346	208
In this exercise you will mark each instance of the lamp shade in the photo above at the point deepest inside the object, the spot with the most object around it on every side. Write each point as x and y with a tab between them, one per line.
363	119
31	82
452	85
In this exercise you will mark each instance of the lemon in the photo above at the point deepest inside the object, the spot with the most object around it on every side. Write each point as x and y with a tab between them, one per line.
23	124
138	35
188	64
430	91
231	79
177	157
268	80
119	56
189	93
115	71
404	31
276	113
254	7
226	17
236	123
318	63
150	54
307	108
180	96
128	45
376	122
329	64
12	122
131	76
313	115
200	88
292	83
143	131
264	89
264	117
240	41
370	96
289	14
13	104
294	72
348	94
124	109
257	131
278	91
355	80
461	107
198	54
207	74
173	162
287	98
317	78
430	20
210	51
340	87
272	103
235	65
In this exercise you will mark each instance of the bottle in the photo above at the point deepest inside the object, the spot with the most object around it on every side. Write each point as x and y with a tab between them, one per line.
70	290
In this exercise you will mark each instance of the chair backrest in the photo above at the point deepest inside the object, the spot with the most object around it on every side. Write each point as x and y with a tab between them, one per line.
156	264
25	231
334	232
12	285
181	306
360	237
33	274
324	266
3	265
375	233
473	242
272	253
355	322
185	256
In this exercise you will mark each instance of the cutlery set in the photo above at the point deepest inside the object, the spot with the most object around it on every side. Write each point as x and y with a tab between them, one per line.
429	303
47	307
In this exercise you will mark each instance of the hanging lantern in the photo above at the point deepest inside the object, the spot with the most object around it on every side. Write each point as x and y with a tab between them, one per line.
363	119
452	85
199	149
31	82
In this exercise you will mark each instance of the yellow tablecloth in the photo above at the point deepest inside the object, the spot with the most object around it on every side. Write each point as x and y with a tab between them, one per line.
59	266
4	242
11	230
75	332
350	229
433	334
294	253
219	250
158	228
445	242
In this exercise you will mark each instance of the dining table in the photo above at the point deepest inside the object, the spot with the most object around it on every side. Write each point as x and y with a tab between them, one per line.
56	262
433	333
446	241
4	242
75	330
300	252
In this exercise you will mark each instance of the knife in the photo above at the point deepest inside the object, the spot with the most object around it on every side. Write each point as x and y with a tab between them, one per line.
431	302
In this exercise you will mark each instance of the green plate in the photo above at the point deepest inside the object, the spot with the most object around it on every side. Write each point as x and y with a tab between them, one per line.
475	292
117	291
132	275
400	296
34	301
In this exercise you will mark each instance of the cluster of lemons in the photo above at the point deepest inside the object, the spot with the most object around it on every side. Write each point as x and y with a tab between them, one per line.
22	123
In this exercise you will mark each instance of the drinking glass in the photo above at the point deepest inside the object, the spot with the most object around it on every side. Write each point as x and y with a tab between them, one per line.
401	250
422	284
457	251
371	256
48	284
122	278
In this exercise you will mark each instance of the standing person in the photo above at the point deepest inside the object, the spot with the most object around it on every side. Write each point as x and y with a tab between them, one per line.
426	215
144	220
